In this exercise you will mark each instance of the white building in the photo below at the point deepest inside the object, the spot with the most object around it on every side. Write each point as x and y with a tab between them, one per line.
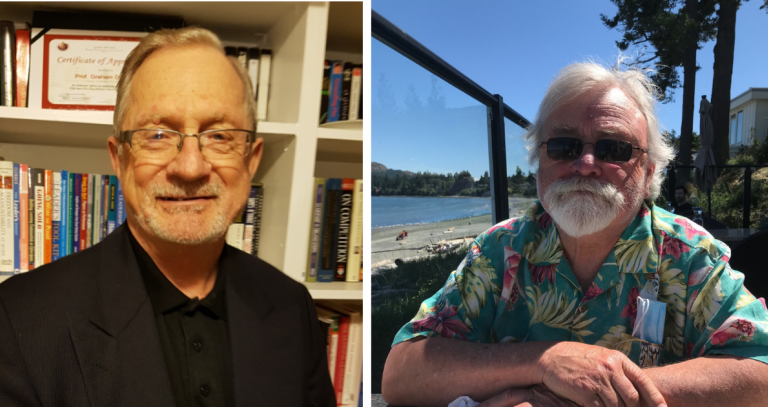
749	118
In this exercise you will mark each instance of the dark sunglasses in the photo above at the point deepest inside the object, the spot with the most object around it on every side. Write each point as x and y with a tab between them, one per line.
607	150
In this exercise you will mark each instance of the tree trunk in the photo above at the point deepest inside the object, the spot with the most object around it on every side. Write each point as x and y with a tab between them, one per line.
689	89
721	81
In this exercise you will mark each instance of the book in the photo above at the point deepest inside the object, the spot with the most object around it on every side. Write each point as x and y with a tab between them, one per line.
38	184
6	217
48	216
77	194
242	57
324	92
22	67
265	66
120	215
89	211
84	178
253	70
346	90
349	353
355	233
31	219
24	218
250	213
234	236
327	267
355	100
56	252
111	207
98	192
104	205
342	228
64	232
318	191
334	92
257	219
331	318
16	220
71	210
7	62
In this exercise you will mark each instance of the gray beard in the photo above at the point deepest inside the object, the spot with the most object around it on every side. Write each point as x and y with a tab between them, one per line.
583	206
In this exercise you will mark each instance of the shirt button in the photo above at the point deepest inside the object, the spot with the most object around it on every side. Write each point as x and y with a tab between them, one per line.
198	346
583	309
205	390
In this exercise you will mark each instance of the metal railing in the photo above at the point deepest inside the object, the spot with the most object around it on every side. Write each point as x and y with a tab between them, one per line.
747	210
395	38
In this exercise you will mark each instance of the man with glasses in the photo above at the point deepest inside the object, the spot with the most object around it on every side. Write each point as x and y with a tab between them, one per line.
163	312
595	297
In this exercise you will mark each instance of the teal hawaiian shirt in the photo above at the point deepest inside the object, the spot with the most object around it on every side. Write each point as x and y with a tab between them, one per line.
516	285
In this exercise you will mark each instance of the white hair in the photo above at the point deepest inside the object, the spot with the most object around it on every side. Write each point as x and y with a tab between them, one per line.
576	79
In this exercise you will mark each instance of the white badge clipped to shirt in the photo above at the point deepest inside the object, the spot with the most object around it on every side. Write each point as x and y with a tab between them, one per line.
649	323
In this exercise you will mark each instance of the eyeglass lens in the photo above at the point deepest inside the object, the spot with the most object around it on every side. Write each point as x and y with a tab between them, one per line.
608	150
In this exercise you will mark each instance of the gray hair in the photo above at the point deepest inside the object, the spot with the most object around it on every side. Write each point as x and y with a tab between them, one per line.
188	36
576	79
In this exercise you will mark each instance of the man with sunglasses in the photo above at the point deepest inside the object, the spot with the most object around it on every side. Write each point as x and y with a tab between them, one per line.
595	297
162	312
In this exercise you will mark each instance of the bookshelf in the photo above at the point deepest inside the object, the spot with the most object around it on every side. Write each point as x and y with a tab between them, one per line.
297	149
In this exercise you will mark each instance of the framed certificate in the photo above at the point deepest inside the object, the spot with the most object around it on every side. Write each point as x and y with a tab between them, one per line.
79	70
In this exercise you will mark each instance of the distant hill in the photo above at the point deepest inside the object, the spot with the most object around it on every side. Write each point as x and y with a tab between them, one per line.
377	167
380	170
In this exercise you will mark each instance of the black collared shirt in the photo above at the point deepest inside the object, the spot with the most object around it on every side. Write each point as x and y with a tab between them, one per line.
194	336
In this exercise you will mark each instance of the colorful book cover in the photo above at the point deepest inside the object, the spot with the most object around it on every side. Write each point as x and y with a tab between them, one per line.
111	209
83	211
346	90
71	225
334	91
22	67
6	217
120	211
31	218
48	174
89	212
39	187
250	215
24	218
16	220
330	221
64	204
341	358
356	233
104	204
324	92
257	218
77	193
56	218
354	97
316	225
97	194
342	228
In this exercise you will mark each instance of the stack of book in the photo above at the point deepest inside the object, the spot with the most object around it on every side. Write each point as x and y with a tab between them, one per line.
46	214
342	326
336	231
243	233
14	65
342	93
258	63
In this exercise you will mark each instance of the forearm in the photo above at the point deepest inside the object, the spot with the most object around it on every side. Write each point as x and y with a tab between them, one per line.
435	371
713	381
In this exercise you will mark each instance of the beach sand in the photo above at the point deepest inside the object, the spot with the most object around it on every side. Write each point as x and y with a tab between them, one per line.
385	249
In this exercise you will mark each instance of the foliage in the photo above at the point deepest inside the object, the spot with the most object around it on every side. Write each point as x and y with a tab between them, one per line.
413	282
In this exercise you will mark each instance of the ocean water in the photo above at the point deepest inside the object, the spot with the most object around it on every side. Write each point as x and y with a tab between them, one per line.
404	210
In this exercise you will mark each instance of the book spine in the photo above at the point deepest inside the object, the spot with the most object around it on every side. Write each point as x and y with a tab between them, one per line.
78	193
333	347
31	224
16	220
48	179
250	214
7	61
354	97
39	183
111	208
97	194
355	233
314	230
354	360
89	212
56	218
6	217
64	204
330	219
265	67
346	90
334	92
257	219
235	235
253	70
324	92
24	218
83	228
341	358
71	225
342	230
104	205
22	67
120	211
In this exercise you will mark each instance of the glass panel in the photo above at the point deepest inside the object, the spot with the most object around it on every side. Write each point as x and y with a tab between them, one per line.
733	130
727	197
738	127
521	180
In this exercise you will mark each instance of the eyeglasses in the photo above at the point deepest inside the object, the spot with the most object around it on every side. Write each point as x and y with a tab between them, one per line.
164	144
607	150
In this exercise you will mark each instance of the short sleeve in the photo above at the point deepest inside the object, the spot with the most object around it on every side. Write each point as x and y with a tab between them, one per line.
464	307
723	317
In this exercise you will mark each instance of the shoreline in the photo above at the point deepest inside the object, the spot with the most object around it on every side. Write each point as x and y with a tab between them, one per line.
515	203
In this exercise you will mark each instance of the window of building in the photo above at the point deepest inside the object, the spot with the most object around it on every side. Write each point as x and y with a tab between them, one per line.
738	126
733	130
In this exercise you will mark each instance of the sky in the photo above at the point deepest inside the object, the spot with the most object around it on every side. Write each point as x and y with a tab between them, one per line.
512	48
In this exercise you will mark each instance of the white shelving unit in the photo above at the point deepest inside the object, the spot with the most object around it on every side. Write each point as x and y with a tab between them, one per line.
297	149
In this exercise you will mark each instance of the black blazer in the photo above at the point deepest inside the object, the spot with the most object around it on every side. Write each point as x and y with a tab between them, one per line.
80	332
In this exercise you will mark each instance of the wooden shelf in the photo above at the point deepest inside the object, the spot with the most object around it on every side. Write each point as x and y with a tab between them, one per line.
346	130
335	291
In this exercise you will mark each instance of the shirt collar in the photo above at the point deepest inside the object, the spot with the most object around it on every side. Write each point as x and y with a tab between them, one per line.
165	297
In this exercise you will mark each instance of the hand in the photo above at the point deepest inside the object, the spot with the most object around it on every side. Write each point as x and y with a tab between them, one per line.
594	376
537	396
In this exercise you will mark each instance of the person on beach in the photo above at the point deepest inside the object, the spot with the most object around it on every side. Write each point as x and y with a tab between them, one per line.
595	297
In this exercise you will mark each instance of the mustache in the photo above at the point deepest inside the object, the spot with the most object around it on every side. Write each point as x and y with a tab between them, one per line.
578	184
184	190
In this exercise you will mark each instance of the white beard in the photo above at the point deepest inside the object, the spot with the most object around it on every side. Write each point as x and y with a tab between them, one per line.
583	206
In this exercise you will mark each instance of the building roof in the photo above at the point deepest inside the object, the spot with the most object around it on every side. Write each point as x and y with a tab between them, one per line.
749	94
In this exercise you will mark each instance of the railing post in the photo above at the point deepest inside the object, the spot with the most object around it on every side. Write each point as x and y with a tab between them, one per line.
747	195
497	154
671	184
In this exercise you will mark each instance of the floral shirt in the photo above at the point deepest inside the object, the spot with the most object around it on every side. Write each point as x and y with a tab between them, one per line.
516	285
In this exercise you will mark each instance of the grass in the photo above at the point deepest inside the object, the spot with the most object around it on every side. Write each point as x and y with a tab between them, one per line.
397	295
